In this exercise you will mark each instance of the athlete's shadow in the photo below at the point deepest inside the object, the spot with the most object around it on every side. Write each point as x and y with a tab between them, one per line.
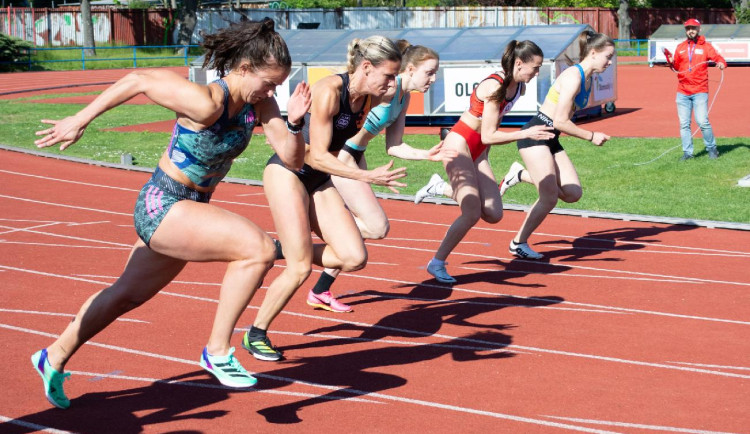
611	240
134	410
356	371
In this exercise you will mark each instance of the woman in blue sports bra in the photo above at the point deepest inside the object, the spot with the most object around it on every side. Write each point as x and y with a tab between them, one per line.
305	200
419	66
174	220
548	166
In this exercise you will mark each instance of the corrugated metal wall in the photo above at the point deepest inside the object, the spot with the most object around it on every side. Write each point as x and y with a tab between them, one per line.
61	26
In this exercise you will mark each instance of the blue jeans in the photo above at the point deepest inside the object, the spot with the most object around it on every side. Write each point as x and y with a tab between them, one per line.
699	104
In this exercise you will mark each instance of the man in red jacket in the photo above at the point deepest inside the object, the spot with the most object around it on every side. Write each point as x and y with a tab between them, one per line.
691	63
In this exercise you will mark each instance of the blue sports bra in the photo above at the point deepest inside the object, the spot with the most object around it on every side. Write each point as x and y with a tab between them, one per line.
582	98
206	156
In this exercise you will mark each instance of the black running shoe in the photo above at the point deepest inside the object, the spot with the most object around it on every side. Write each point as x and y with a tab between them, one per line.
261	348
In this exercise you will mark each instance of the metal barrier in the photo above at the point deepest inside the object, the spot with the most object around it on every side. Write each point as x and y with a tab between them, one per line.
623	46
185	57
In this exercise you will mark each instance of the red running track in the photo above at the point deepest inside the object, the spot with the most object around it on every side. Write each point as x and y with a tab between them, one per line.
628	327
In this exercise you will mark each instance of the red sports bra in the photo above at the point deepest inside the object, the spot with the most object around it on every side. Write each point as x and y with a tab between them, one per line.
476	105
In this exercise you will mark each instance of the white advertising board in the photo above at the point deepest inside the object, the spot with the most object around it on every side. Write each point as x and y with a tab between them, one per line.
459	82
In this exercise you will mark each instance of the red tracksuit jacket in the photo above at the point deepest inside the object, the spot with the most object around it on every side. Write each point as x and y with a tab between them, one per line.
694	79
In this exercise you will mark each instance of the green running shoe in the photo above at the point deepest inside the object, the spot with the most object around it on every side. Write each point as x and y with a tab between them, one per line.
260	347
53	380
227	369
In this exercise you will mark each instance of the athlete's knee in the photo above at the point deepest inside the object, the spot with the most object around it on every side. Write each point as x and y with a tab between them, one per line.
571	194
376	230
354	261
298	270
492	215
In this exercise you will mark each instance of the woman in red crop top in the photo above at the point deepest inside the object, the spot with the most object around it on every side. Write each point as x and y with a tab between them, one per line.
472	183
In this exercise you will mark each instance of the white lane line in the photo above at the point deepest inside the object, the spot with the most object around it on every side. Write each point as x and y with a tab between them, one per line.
88	184
77	207
34	426
72	246
572	237
637	425
66	315
222	387
739	368
567	266
596	276
454	288
68	237
343	390
12	230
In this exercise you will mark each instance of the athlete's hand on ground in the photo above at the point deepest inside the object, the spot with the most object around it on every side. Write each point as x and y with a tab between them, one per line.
599	138
383	175
438	153
65	132
539	132
299	103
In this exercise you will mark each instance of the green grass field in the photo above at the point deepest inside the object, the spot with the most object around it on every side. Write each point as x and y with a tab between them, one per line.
612	178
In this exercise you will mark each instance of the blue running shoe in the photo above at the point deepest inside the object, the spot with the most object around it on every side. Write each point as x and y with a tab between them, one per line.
227	369
53	380
439	272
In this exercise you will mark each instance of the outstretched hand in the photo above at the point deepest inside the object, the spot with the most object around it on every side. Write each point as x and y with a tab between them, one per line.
66	132
299	103
438	153
383	175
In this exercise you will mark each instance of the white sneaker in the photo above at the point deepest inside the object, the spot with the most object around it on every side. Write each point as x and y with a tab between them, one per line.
430	189
512	177
522	250
440	273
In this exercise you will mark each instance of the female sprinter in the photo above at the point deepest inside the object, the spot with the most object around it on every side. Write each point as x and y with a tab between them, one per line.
548	166
305	200
419	66
173	218
472	183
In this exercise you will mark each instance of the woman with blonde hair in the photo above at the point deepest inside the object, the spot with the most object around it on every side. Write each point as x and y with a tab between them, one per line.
305	200
419	68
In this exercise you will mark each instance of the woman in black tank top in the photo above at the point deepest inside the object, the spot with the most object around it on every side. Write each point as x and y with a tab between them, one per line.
340	103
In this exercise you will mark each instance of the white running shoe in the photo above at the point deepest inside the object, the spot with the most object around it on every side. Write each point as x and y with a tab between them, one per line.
440	273
430	189
512	178
522	250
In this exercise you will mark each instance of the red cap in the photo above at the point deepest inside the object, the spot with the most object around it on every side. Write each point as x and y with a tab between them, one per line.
692	22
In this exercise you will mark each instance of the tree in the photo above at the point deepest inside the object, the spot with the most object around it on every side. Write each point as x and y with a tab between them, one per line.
188	20
88	28
623	20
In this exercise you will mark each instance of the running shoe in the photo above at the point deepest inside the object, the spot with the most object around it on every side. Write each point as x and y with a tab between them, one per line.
327	301
522	250
227	369
429	190
512	178
53	380
440	273
261	348
713	153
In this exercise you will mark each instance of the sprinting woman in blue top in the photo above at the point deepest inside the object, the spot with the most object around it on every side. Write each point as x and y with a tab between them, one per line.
174	220
548	166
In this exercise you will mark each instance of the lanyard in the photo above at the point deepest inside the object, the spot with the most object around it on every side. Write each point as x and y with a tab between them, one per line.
690	56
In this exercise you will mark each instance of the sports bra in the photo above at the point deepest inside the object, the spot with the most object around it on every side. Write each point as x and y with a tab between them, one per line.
345	123
476	105
205	156
383	115
582	98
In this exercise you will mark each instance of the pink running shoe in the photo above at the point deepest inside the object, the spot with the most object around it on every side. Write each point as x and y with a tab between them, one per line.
327	301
